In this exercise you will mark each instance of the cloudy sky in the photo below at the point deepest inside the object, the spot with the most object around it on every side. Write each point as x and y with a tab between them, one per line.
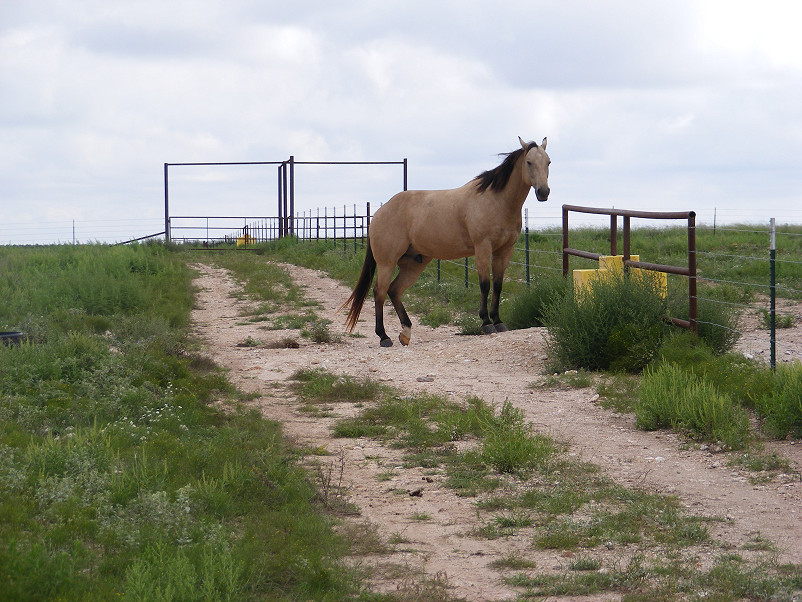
647	104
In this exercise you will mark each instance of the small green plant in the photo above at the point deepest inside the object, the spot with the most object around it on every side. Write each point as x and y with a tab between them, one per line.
513	561
781	405
671	397
319	332
528	308
469	324
509	445
780	320
585	563
250	342
319	385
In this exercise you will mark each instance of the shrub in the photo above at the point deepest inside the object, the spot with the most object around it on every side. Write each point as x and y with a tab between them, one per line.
717	317
782	404
529	307
732	374
672	397
616	324
509	445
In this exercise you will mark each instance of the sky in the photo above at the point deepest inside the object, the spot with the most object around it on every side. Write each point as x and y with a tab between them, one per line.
649	105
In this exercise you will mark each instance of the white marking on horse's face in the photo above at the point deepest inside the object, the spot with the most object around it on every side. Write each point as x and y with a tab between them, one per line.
536	171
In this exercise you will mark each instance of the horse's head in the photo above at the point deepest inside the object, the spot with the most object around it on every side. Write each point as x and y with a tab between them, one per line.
536	168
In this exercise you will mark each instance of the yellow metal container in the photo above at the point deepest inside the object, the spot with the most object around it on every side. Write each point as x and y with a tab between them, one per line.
613	265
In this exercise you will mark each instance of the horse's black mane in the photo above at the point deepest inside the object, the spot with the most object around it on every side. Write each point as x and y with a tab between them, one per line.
496	179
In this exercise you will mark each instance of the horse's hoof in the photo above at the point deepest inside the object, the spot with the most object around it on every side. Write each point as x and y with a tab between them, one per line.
404	339
386	343
500	327
488	329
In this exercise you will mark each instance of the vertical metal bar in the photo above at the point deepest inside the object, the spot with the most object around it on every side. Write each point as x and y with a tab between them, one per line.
438	271
626	239
526	242
773	294
292	191
354	228
693	308
466	272
279	213
284	219
405	173
565	241
166	206
613	234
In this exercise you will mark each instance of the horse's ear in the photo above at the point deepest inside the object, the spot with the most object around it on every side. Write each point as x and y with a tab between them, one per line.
543	144
524	145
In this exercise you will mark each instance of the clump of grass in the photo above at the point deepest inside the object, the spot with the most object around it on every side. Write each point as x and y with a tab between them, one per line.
618	392
528	308
319	385
780	320
514	561
510	446
319	332
572	379
671	397
781	405
469	324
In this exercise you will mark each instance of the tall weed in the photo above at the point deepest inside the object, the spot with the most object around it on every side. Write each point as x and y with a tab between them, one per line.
528	308
671	397
781	405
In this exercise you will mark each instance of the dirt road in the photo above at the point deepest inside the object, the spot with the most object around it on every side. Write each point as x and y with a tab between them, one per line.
432	530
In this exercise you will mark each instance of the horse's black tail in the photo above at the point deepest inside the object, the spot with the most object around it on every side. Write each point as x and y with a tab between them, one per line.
360	292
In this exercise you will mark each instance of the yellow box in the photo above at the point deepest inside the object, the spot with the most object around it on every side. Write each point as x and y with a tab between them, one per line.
610	265
583	278
615	263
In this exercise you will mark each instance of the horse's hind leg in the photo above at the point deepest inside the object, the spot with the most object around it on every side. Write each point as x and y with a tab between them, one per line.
383	276
410	268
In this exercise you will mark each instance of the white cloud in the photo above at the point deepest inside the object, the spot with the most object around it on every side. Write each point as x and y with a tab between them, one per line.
685	102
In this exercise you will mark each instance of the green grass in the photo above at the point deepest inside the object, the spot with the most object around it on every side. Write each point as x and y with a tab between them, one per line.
561	504
670	396
118	477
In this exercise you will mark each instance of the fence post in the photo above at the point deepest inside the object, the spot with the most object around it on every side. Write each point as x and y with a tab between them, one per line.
466	272
773	294
693	306
565	242
526	243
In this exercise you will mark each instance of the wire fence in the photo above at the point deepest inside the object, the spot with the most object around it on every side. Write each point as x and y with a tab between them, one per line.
734	263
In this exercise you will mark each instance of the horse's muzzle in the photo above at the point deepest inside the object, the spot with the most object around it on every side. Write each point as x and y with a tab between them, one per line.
542	193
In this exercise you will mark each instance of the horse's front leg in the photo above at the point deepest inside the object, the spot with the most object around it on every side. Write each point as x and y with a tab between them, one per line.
500	263
483	267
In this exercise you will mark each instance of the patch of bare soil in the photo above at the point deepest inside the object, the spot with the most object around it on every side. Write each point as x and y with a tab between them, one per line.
430	525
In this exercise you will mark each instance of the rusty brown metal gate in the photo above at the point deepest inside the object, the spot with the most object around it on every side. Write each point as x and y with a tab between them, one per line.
690	271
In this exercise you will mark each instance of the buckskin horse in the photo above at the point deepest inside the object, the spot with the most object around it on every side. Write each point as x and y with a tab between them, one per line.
481	218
